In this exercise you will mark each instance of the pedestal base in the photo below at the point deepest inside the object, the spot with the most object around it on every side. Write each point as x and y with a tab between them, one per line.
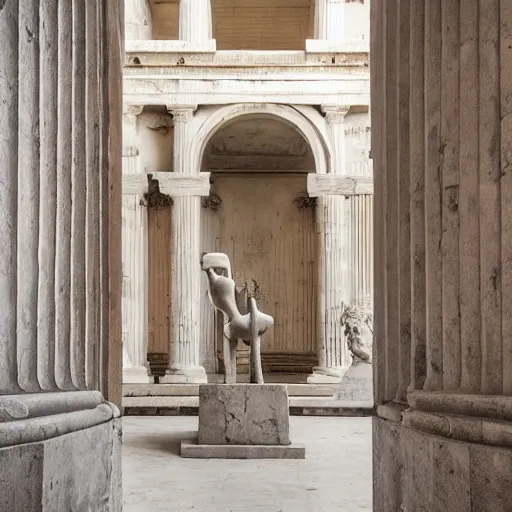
137	375
322	375
192	450
357	383
192	375
243	421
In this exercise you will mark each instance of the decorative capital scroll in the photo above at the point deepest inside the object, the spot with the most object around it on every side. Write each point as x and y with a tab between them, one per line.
335	113
181	113
133	110
212	202
305	201
153	198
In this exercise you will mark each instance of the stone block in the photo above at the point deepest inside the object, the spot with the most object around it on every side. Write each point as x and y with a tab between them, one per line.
357	383
192	450
243	414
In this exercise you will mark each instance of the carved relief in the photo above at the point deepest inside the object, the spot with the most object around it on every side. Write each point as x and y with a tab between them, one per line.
211	202
305	201
153	198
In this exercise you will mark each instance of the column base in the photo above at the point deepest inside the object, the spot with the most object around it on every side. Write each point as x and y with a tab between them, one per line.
187	375
136	375
323	375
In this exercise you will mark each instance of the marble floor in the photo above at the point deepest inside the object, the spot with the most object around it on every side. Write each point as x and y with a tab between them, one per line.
336	475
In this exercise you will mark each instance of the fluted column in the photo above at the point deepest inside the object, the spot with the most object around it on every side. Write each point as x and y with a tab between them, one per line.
185	283
329	20
333	355
442	131
50	175
135	262
195	20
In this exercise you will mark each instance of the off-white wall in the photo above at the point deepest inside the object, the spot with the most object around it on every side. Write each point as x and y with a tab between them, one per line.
155	136
358	134
357	21
138	20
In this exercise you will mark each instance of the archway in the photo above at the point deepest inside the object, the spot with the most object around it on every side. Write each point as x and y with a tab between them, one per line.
260	214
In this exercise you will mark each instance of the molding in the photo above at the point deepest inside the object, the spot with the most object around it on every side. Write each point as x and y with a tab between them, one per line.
170	183
327	46
133	110
462	404
302	123
162	54
169	46
31	405
37	429
181	113
339	185
461	428
335	113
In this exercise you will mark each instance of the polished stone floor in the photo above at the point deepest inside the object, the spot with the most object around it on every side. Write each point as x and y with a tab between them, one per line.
336	475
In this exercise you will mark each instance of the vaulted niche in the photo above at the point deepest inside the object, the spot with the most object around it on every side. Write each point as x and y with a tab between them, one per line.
260	215
258	142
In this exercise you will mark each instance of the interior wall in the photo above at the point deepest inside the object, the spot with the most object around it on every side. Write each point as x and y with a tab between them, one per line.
357	21
138	20
358	142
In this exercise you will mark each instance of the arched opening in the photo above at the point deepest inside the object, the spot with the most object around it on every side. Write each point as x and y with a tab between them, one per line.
259	213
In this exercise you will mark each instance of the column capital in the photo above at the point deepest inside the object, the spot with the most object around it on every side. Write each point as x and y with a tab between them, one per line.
335	113
133	110
181	113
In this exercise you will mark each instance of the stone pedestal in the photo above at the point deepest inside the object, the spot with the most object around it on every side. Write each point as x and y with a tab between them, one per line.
357	383
243	421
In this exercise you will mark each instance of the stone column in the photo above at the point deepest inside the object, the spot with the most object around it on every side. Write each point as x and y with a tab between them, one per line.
185	283
57	154
195	20
442	133
334	358
329	20
135	263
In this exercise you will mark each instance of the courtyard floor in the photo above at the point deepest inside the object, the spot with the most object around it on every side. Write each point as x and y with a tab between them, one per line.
335	476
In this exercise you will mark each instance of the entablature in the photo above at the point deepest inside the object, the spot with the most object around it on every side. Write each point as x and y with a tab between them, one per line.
161	77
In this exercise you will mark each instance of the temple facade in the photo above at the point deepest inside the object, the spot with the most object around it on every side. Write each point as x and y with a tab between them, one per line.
247	132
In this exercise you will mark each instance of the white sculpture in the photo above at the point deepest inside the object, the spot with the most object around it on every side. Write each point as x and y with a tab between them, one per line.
247	327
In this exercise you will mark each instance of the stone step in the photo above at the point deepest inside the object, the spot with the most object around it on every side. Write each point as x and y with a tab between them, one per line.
192	390
302	402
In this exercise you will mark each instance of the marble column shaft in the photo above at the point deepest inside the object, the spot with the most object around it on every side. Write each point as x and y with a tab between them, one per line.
49	171
441	91
334	358
195	23
135	262
329	20
184	350
443	211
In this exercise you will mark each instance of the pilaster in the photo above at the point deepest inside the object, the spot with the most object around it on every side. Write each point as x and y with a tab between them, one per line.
135	262
195	23
184	366
329	20
334	357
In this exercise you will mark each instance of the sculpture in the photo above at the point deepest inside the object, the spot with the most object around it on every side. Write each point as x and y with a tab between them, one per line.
248	327
354	318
